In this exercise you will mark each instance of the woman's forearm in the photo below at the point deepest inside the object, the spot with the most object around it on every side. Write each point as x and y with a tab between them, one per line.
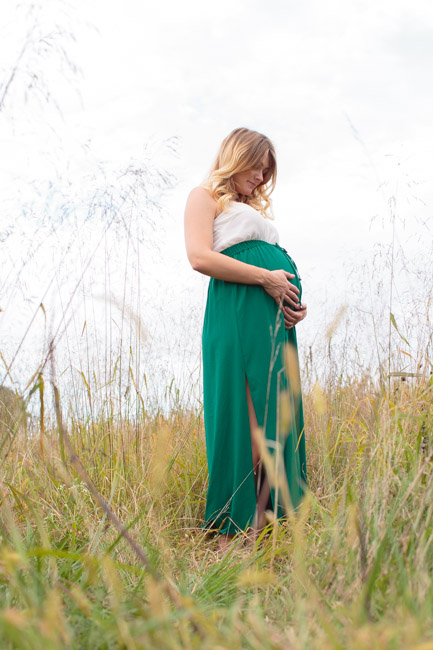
223	267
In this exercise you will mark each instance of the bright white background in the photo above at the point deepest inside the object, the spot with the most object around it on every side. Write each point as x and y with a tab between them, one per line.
344	90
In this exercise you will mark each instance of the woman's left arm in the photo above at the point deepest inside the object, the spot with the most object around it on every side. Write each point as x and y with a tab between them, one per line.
294	316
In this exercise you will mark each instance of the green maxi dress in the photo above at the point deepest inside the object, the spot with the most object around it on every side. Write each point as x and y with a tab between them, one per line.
244	337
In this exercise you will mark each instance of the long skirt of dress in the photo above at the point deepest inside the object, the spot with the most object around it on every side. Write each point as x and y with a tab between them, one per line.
244	338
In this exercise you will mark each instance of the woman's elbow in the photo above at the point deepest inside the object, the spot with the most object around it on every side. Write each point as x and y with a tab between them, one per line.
198	262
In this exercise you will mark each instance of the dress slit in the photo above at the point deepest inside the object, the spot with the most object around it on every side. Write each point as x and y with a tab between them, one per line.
262	487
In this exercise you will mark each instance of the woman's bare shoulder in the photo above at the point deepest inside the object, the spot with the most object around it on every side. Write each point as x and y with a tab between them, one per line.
202	193
200	196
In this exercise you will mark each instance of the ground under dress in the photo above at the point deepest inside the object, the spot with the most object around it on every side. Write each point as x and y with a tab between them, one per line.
244	338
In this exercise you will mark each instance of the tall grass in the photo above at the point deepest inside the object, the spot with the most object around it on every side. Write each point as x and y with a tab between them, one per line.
351	570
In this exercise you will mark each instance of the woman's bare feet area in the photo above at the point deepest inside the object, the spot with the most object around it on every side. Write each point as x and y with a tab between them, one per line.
224	542
240	542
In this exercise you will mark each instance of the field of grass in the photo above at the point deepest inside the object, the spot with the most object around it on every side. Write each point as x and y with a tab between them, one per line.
101	547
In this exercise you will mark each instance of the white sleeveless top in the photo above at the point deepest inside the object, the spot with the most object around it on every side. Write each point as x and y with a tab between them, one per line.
241	222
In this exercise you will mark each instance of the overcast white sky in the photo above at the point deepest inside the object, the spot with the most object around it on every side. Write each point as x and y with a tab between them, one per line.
344	89
301	72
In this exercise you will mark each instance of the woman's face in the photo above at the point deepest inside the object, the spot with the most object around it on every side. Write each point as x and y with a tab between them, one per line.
246	182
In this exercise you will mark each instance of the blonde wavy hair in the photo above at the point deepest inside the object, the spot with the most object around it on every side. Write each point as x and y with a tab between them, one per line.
241	150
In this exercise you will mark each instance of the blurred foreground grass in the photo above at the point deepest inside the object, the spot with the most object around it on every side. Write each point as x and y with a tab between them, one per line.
351	570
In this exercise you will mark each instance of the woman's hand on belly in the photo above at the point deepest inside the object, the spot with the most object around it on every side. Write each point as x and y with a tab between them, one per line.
278	286
294	316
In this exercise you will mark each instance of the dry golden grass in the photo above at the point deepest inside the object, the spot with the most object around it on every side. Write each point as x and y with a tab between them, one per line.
351	570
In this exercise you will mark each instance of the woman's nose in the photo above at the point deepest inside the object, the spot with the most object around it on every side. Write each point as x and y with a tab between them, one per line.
259	175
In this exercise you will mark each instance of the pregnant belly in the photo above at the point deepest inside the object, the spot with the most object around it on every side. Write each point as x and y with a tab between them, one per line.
268	256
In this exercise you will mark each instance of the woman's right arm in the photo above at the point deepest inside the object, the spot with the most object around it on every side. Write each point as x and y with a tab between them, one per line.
200	213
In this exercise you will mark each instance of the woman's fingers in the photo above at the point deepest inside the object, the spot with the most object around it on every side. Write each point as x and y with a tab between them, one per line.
293	317
292	295
292	299
289	277
278	285
292	292
290	318
303	310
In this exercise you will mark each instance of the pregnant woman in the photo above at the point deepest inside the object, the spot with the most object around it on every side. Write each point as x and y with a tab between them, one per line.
252	403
